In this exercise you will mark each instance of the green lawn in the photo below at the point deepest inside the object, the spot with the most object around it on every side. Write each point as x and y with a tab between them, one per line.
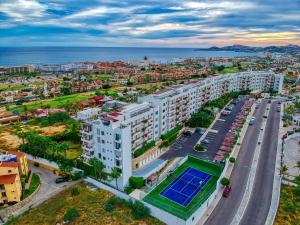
34	183
178	210
55	102
102	76
230	70
12	88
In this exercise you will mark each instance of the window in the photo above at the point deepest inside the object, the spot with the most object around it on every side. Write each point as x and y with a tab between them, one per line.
103	142
102	132
118	163
99	155
118	137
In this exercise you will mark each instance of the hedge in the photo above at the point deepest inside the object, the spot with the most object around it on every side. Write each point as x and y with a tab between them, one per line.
137	182
142	150
170	134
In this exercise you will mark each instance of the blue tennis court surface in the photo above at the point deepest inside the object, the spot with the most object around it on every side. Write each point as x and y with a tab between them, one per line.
186	186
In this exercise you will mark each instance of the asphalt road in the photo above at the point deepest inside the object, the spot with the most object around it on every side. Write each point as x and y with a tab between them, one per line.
260	201
227	207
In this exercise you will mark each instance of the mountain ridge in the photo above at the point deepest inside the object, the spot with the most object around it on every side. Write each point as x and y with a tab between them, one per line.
244	48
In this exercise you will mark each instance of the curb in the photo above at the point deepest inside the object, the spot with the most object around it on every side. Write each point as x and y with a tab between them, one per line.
277	180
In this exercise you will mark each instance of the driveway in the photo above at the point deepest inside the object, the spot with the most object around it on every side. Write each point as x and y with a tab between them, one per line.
47	189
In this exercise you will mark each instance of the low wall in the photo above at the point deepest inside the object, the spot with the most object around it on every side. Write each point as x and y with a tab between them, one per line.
12	209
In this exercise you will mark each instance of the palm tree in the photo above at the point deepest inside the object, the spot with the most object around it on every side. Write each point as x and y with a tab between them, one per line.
284	171
115	174
298	165
98	168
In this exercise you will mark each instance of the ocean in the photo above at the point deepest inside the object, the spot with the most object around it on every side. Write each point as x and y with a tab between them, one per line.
16	56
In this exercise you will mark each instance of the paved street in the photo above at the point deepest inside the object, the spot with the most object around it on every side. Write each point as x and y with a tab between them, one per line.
259	204
227	207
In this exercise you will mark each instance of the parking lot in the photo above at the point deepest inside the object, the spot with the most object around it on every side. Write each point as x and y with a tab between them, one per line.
184	145
213	139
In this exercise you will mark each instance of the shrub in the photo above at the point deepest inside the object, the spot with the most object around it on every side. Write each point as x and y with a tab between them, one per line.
71	215
139	210
232	159
74	191
225	181
199	148
110	204
143	149
128	189
170	134
137	182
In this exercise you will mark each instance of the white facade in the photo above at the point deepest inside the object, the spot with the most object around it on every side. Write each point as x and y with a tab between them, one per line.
116	135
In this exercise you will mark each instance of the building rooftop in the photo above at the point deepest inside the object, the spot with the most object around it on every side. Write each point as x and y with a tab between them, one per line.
8	164
7	179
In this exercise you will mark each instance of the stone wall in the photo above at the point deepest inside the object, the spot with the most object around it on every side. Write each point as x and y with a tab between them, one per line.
10	210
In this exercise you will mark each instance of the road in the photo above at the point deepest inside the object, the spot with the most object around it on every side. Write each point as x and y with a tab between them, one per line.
260	201
47	189
227	207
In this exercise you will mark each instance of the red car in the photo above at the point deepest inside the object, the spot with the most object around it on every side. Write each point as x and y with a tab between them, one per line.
226	191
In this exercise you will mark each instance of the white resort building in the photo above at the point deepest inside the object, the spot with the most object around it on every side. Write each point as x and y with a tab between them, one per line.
116	134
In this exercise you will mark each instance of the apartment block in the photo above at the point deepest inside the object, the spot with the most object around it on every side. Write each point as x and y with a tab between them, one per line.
117	134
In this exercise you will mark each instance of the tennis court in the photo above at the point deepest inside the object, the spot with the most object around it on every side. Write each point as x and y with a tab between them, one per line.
186	186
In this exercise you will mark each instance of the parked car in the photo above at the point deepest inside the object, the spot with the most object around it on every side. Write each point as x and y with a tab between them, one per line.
187	133
226	191
225	113
205	141
229	108
200	130
278	109
61	179
265	115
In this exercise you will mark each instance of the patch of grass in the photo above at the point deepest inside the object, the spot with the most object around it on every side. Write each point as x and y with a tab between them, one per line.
230	70
54	102
34	183
288	212
89	205
12	88
74	151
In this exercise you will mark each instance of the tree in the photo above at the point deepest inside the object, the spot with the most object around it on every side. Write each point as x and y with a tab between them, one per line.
115	174
298	165
232	159
98	169
284	171
67	169
225	181
199	148
71	215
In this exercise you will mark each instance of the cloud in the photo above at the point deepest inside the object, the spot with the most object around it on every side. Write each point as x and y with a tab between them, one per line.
149	22
22	10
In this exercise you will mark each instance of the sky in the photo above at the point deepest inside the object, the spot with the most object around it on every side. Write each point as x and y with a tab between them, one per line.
149	23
